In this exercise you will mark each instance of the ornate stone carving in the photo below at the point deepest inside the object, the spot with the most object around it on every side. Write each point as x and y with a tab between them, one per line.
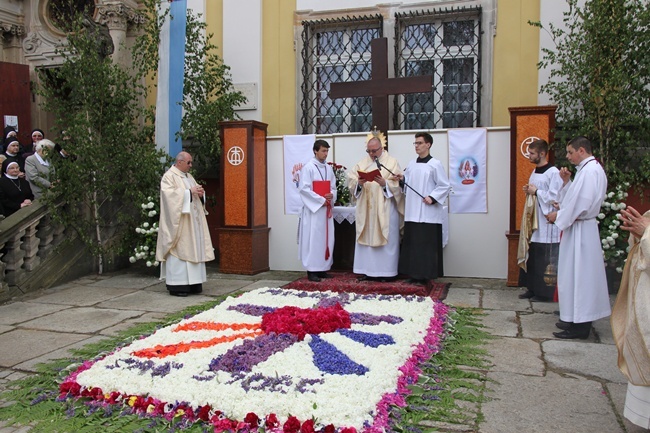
8	31
40	48
118	16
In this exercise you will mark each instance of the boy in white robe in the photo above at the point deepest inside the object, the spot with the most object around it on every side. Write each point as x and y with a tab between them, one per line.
316	231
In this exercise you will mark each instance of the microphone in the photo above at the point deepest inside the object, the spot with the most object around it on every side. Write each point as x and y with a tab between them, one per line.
378	163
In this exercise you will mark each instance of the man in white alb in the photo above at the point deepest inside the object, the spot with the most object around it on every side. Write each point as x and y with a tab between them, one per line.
184	244
582	284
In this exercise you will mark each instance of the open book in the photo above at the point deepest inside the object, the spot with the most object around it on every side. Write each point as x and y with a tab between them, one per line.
369	175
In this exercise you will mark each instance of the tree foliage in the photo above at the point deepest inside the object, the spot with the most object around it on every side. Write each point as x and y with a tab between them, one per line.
100	112
97	107
600	81
208	92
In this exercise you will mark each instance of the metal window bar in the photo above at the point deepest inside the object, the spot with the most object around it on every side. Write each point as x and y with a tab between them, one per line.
336	50
445	43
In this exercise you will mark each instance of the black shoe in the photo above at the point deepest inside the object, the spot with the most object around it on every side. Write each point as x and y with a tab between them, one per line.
386	279
313	277
576	330
324	275
564	325
541	299
195	289
416	281
179	294
526	295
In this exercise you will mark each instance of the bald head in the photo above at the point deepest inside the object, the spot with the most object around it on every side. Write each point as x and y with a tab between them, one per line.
183	161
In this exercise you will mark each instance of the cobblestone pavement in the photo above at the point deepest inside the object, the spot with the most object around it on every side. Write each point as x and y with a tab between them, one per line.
538	383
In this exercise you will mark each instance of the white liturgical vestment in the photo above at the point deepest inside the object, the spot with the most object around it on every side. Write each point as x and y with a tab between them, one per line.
582	284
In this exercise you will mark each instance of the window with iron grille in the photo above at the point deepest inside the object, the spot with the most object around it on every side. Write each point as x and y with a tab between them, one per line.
336	50
445	44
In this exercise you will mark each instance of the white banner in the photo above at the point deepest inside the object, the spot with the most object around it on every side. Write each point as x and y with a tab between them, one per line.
468	170
298	150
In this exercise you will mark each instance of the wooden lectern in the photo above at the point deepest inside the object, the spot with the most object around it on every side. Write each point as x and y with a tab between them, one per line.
526	125
244	235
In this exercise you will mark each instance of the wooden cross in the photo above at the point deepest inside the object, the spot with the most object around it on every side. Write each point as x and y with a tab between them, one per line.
380	86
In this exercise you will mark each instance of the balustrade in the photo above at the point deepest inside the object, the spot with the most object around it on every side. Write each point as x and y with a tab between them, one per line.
27	239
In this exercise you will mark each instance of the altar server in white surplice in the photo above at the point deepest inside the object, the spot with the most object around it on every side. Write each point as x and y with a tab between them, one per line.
544	185
184	245
582	285
379	213
428	187
317	187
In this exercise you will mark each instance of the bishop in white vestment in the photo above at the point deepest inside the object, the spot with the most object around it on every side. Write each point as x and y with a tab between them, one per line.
316	232
582	284
183	245
379	214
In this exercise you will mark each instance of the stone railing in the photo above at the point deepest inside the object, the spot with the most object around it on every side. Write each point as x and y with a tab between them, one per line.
28	241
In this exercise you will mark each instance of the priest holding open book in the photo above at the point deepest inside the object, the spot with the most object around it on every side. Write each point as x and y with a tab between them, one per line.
317	187
379	211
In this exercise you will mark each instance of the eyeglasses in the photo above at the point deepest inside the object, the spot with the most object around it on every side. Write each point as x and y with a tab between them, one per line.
417	143
373	150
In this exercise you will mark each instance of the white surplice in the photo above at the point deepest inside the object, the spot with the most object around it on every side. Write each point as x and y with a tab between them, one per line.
582	284
428	179
549	184
316	230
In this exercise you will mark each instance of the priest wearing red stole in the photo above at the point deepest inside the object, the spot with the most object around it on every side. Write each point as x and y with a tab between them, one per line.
317	188
184	244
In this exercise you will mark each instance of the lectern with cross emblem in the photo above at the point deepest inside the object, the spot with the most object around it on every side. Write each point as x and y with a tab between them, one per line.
379	87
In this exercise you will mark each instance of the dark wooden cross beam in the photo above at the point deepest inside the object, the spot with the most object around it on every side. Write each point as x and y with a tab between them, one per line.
380	86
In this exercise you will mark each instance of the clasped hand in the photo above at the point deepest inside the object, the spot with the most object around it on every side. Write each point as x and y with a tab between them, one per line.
197	190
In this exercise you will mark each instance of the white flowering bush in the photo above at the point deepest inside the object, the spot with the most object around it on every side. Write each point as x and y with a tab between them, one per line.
147	233
615	247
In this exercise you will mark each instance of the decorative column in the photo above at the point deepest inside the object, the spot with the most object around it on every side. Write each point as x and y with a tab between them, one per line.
244	236
117	16
526	125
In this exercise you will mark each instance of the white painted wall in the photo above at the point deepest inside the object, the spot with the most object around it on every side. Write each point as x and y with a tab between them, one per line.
477	243
198	6
242	50
551	11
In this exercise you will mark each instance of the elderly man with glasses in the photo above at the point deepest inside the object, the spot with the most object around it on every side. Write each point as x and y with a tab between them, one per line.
379	212
184	244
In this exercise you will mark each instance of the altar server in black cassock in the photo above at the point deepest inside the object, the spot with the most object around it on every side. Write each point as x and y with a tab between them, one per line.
545	183
421	252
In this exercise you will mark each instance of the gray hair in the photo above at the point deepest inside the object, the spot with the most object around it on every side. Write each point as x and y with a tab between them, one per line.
44	143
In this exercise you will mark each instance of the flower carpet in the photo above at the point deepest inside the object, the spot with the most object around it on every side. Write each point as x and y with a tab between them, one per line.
274	360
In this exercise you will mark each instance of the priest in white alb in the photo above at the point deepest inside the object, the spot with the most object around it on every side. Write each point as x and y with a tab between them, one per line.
184	244
582	284
317	188
379	212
